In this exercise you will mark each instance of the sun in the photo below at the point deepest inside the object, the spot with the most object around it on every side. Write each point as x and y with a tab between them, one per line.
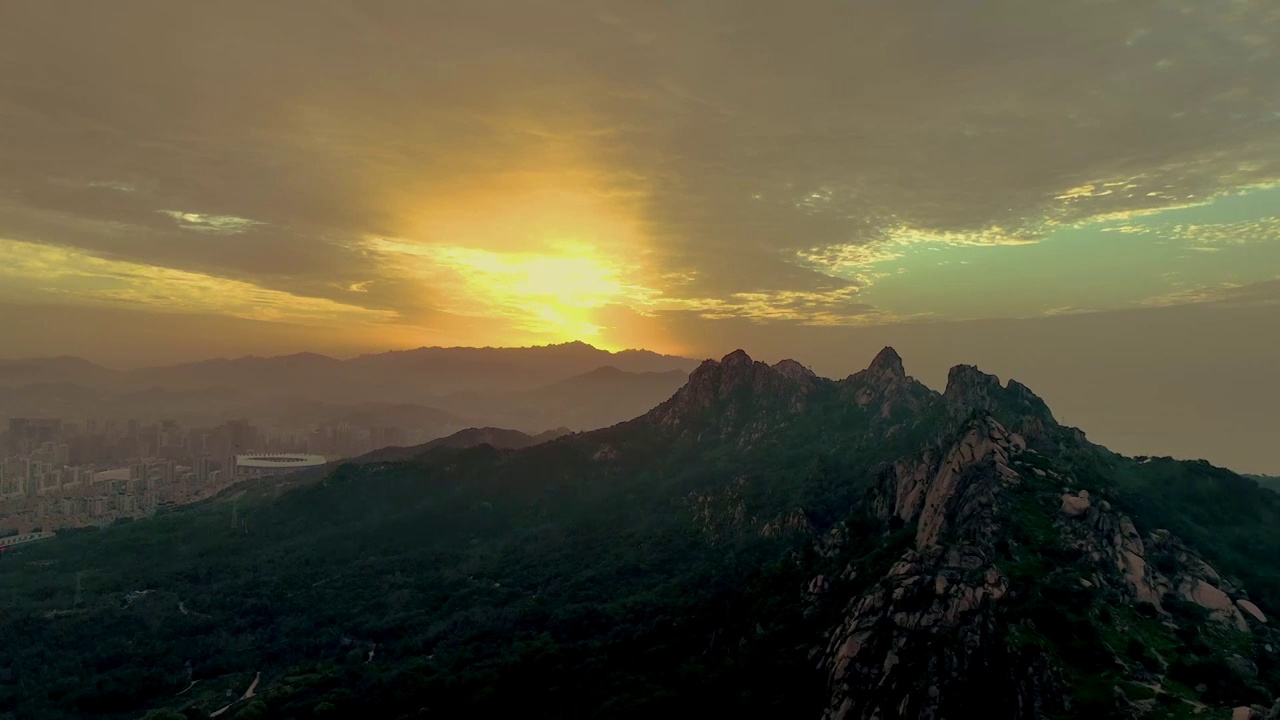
555	294
540	254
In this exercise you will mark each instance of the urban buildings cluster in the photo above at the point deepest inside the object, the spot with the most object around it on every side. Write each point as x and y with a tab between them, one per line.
58	473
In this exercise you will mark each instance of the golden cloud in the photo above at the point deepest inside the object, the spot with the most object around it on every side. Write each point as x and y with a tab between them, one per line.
34	271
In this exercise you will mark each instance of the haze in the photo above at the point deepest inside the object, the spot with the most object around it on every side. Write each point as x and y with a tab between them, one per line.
1081	195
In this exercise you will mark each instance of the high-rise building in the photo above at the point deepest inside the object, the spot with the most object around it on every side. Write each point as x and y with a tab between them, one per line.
140	476
31	478
26	434
382	436
239	435
201	466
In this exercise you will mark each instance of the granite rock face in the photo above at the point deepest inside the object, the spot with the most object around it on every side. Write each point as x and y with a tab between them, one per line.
919	644
932	638
737	396
1007	540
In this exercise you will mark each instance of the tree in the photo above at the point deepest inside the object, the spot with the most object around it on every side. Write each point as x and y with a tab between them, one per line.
255	710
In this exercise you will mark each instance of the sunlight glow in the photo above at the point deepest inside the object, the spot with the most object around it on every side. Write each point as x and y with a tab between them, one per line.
553	295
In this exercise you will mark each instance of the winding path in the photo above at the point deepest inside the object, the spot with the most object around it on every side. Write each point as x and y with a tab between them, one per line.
247	694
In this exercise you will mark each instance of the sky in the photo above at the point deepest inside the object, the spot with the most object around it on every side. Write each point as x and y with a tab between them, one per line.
989	180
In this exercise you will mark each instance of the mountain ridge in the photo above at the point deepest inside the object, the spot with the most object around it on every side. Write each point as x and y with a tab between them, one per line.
528	389
794	545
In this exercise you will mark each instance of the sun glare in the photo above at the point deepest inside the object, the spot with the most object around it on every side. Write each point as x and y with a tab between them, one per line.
548	254
554	294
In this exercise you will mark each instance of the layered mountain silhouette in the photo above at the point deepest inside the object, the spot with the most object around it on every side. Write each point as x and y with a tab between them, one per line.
432	391
431	371
763	543
1266	481
501	438
599	398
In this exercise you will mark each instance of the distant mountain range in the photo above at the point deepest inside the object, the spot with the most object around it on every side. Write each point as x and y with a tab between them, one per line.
498	438
440	389
1267	481
394	375
599	398
501	438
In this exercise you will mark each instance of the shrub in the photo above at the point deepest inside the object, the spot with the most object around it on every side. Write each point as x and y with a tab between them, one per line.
1138	692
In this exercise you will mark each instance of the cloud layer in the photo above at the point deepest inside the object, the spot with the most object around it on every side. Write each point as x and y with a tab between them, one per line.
495	172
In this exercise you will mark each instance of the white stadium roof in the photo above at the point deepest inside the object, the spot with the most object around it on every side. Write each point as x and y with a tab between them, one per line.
278	461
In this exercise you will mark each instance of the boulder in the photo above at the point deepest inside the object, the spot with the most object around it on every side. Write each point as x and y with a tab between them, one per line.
819	585
1076	505
1208	597
1252	610
1215	601
1131	561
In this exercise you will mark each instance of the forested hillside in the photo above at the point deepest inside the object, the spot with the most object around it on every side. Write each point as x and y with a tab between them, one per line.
782	544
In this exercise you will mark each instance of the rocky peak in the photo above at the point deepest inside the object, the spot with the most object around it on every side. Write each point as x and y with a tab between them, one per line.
794	370
917	642
886	386
1004	535
887	364
970	387
969	390
935	490
736	377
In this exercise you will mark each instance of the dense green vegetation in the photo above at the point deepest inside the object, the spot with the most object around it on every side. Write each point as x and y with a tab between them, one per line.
1227	517
1103	645
629	572
544	582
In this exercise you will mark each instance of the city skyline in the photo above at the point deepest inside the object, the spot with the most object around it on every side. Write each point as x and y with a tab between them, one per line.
57	473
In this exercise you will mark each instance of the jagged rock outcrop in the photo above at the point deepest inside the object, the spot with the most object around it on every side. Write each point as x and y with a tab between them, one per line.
793	522
886	388
963	493
1112	542
971	391
998	497
886	368
1189	578
1109	537
932	618
922	644
931	638
1131	561
969	387
794	370
932	491
748	396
